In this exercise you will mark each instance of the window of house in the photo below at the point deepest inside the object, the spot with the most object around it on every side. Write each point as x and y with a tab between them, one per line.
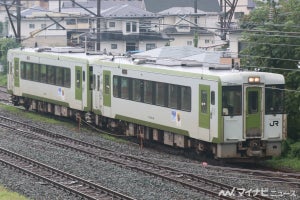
134	27
128	27
150	46
43	25
112	24
31	26
189	43
114	46
71	21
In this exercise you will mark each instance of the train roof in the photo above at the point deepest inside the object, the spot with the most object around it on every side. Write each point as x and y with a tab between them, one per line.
179	61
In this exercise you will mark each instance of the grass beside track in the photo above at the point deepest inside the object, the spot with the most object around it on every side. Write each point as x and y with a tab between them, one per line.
35	116
6	194
3	79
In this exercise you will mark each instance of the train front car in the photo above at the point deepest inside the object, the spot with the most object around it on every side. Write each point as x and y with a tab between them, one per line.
253	119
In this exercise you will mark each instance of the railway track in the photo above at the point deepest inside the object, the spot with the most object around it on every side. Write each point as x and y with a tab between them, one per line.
191	181
75	185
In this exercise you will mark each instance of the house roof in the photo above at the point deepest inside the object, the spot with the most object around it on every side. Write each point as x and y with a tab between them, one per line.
125	11
110	9
30	11
104	4
172	55
160	5
181	11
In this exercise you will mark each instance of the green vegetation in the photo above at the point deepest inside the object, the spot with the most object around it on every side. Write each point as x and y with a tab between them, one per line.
34	116
3	79
5	194
5	45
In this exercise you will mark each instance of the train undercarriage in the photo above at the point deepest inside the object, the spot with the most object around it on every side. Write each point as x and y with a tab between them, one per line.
243	150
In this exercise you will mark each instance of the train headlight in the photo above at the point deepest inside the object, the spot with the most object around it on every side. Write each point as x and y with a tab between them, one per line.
253	79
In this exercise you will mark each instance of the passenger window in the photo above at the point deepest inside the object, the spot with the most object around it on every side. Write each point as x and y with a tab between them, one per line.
59	76
186	98
36	69
137	86
124	88
67	77
43	73
160	94
98	83
148	92
173	96
51	74
116	91
212	98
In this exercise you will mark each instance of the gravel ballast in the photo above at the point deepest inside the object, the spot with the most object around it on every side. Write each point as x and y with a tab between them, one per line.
134	184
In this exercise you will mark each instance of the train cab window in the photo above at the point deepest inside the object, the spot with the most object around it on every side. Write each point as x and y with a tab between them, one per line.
274	100
231	100
148	92
252	102
185	98
160	94
137	87
173	96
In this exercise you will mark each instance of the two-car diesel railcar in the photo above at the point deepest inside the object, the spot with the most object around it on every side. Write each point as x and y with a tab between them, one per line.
179	101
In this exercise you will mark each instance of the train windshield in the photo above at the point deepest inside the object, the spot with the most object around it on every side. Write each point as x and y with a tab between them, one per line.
232	100
274	100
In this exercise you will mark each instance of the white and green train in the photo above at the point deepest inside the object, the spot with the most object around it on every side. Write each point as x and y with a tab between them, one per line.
179	102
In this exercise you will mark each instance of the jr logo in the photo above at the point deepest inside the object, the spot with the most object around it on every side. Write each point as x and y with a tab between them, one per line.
274	123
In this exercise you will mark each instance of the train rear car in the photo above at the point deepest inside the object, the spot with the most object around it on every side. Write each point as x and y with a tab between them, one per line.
53	80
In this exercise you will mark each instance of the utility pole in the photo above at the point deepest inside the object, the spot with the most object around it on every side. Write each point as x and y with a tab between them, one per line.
98	25
18	36
226	15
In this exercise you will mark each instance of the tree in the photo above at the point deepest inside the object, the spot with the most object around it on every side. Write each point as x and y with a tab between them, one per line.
5	45
271	35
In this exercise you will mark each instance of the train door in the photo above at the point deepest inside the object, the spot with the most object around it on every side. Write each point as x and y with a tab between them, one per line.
16	72
204	111
106	93
98	90
78	83
253	116
10	76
